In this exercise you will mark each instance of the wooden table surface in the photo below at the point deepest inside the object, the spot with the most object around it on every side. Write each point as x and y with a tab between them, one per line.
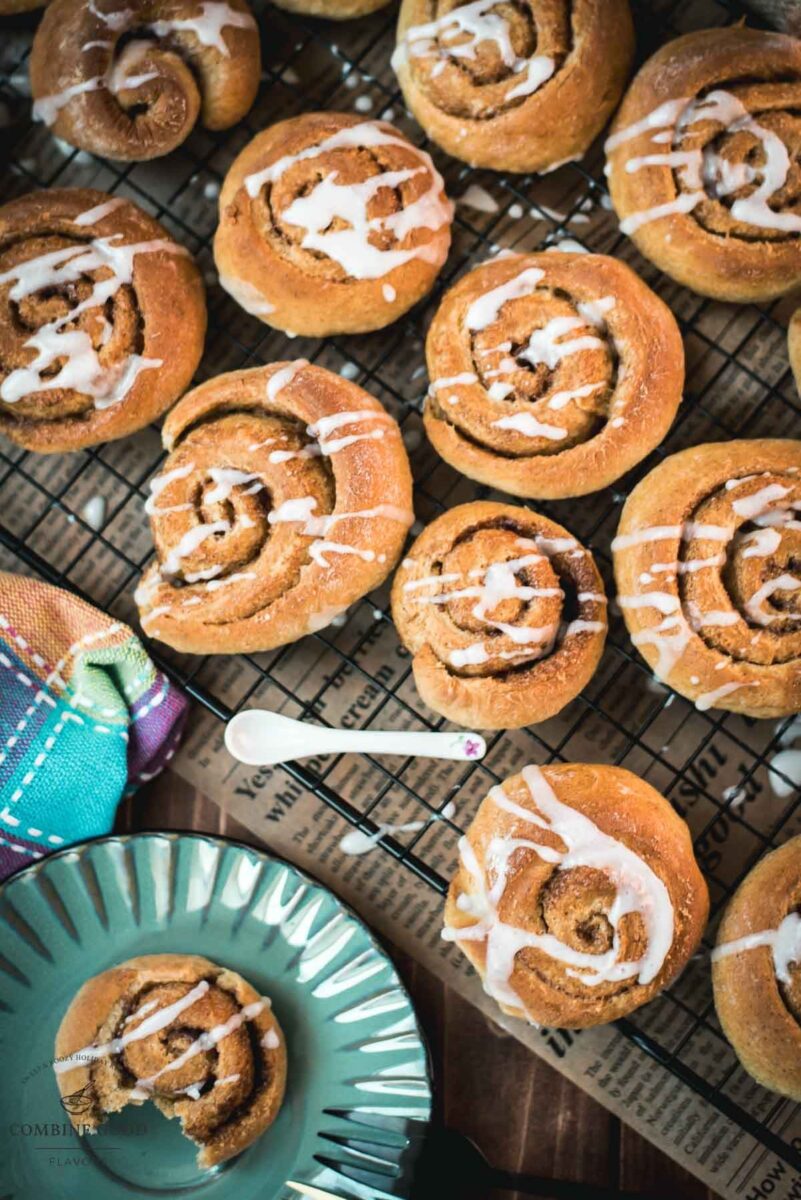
521	1112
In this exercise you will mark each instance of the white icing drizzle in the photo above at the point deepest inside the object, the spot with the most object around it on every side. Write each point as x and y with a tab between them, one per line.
207	1041
559	399
707	699
459	33
47	108
784	943
704	171
93	215
81	367
150	1025
207	25
330	202
527	424
357	842
483	311
246	295
301	511
639	890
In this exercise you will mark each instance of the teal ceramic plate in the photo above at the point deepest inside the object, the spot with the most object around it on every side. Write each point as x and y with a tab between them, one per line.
352	1039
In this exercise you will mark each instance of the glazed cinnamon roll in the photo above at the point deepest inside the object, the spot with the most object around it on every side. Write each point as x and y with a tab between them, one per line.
193	1037
331	224
577	897
102	319
130	82
707	568
756	971
703	162
504	613
551	374
285	497
514	87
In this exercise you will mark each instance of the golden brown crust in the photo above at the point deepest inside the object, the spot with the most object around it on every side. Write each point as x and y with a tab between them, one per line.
480	602
571	423
710	246
225	1094
482	109
286	497
760	1015
794	346
572	903
140	99
290	184
727	635
332	10
157	318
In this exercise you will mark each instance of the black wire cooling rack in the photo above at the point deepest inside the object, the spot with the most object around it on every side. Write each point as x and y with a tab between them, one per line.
716	768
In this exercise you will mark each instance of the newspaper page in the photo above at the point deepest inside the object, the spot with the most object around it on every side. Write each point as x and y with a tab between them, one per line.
356	674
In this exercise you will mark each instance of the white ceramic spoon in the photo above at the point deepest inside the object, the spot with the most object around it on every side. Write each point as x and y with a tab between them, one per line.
261	738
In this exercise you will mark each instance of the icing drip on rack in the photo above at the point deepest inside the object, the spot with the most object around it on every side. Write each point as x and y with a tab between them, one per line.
639	890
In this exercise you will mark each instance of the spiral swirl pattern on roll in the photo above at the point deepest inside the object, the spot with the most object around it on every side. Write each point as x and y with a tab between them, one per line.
513	86
193	1037
707	568
756	971
504	613
286	496
130	82
551	374
577	896
704	166
102	319
331	224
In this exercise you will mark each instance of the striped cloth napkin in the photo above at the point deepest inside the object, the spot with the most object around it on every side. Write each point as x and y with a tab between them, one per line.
85	717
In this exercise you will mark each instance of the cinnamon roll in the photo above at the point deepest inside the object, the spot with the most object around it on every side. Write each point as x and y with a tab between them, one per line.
551	374
129	81
756	971
193	1037
102	319
794	346
332	10
504	613
703	162
331	224
577	897
285	497
707	568
515	87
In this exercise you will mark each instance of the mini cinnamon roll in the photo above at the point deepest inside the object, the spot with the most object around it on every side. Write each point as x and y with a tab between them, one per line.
514	87
577	897
551	374
331	224
707	568
756	971
130	82
193	1037
285	497
504	613
703	162
102	319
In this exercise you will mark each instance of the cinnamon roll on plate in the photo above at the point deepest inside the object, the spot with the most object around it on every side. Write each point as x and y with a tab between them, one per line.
703	162
102	319
707	569
193	1037
130	82
577	897
504	613
331	224
285	497
551	374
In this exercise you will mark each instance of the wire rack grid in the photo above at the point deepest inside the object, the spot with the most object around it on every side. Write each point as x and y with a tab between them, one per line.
716	768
